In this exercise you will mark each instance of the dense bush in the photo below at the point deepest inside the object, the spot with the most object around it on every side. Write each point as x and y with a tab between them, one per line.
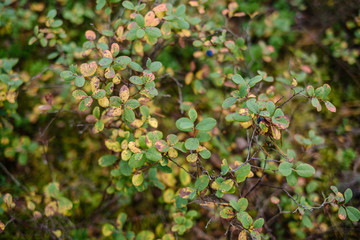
191	120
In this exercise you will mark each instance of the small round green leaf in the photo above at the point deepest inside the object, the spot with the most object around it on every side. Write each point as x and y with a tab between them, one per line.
202	182
285	168
107	160
206	125
192	143
353	213
305	170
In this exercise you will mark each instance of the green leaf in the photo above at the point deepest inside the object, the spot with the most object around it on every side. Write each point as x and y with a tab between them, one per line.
180	10
155	66
305	170
244	90
145	235
79	94
206	124
285	168
202	182
242	173
206	154
184	124
306	221
192	143
255	80
242	204
136	67
123	61
246	220
129	115
153	154
136	80
315	102
327	90
310	90
79	81
99	93
99	125
229	102
100	4
57	23
132	104
139	19
153	32
51	14
67	75
192	114
258	223
107	160
128	5
140	33
252	105
278	113
353	213
348	194
65	204
203	136
292	179
270	107
238	79
224	167
107	33
105	62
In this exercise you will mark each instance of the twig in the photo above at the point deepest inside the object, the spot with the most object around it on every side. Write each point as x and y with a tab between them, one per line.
249	149
13	178
294	95
179	86
192	176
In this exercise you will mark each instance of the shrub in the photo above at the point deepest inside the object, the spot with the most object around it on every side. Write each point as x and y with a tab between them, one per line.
168	120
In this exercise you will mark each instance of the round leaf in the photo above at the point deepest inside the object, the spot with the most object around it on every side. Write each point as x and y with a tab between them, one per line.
206	125
305	170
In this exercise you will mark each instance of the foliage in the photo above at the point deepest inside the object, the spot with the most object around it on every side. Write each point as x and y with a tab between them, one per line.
144	120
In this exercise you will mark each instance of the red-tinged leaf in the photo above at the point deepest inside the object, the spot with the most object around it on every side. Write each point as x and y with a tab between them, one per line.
115	49
327	90
160	8
88	70
90	35
185	192
107	54
342	213
310	90
148	77
282	122
161	146
330	106
150	20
